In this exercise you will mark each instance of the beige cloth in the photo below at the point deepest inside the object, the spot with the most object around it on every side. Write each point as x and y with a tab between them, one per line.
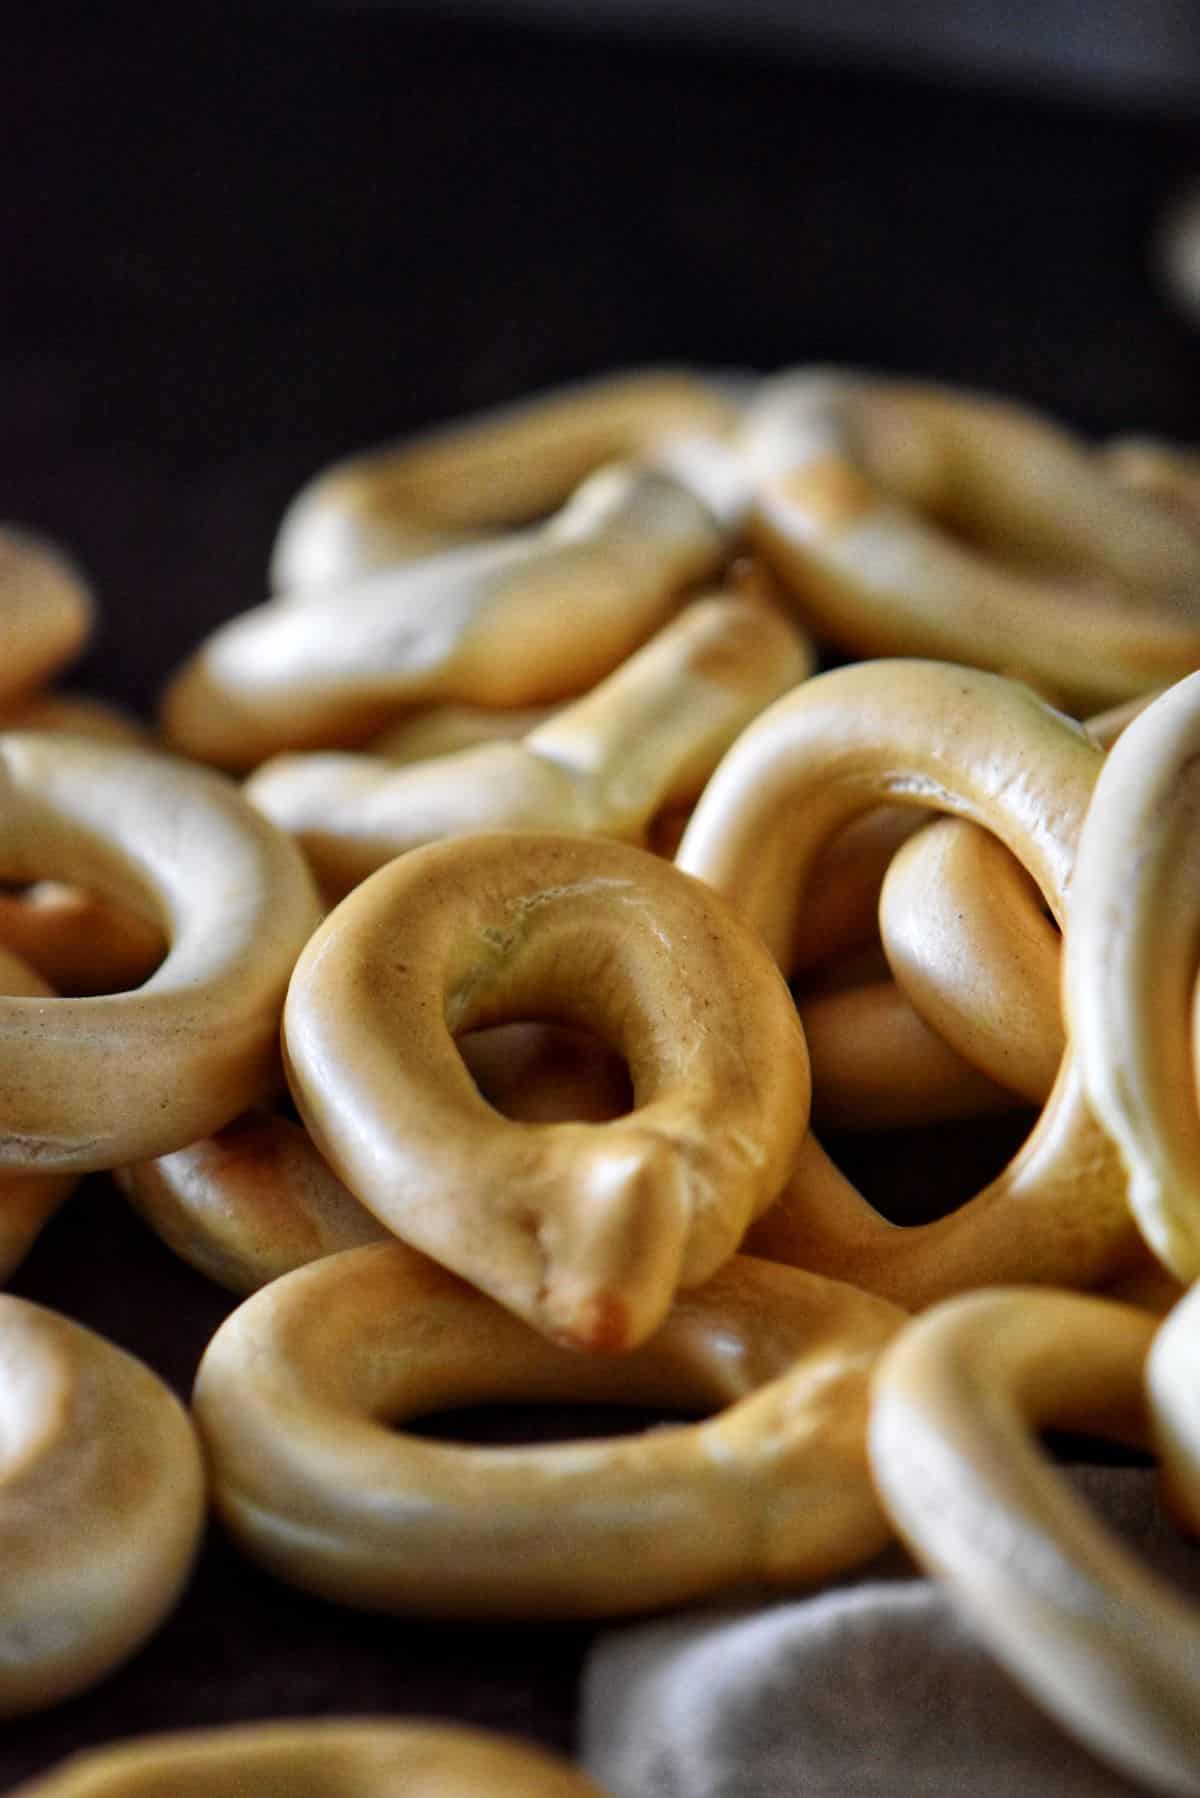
869	1689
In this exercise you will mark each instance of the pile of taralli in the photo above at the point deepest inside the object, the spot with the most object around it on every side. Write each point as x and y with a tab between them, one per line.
518	848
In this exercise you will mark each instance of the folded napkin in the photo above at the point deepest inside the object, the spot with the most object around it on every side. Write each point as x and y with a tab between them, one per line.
873	1688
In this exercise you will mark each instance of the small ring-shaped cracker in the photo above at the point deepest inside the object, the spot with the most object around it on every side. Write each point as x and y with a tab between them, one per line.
1131	967
539	615
101	1505
486	473
643	741
335	1757
90	1083
583	1229
958	1402
914	520
977	746
299	1390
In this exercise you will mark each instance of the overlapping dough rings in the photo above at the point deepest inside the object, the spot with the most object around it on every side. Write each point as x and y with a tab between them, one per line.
539	615
46	612
335	1757
256	1200
499	468
958	1402
976	745
969	943
643	741
299	1393
584	1229
913	520
93	1082
101	1505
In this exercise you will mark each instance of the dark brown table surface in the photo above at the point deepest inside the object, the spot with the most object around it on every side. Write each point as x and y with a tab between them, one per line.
234	247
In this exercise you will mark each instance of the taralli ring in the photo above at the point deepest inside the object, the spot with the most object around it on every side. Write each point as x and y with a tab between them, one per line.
914	520
101	1506
540	615
1132	960
586	1230
351	1757
94	1082
501	468
46	613
300	1392
644	741
958	1403
977	746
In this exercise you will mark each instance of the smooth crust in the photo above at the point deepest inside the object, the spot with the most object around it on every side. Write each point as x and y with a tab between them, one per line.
506	467
337	1757
1132	959
958	1402
916	520
94	1082
585	1230
519	620
644	741
102	1503
300	1393
977	746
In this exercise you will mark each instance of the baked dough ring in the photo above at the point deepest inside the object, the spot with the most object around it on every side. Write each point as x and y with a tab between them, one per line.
299	1390
46	612
336	1757
642	742
1132	959
499	468
27	1201
958	1402
1061	574
537	616
976	745
971	947
256	1200
101	1505
585	1230
91	1083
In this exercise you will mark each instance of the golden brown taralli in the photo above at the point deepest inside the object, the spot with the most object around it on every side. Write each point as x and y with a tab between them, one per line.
101	1506
94	1082
978	746
586	1230
506	467
521	620
303	1394
644	741
958	1403
914	520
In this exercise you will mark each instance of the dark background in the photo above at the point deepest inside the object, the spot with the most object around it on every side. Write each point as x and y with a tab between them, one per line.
235	245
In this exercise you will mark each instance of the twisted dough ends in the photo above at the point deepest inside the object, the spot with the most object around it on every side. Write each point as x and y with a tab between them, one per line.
583	1229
